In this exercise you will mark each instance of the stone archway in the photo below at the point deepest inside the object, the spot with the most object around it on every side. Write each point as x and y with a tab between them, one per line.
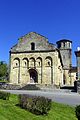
33	76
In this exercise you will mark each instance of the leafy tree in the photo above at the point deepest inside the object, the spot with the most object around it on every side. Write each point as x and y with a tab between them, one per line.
3	69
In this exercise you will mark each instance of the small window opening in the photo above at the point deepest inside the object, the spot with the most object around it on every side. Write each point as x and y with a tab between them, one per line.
49	63
32	46
39	63
16	64
25	63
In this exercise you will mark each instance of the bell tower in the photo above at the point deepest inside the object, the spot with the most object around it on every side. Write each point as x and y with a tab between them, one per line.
65	47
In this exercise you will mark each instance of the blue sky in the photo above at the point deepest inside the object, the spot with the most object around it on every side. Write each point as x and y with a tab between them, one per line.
54	19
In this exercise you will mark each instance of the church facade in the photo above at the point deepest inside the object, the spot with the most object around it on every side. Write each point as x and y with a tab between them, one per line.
33	60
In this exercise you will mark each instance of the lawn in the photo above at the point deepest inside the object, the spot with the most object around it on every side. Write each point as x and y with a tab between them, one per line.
10	111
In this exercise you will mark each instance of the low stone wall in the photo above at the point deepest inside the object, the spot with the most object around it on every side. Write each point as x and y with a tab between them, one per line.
19	87
10	87
28	87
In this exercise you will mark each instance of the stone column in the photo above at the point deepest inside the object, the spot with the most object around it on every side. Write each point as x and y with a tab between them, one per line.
19	72
42	71
77	53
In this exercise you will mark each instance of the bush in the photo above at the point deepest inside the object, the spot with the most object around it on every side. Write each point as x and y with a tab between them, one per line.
78	112
4	95
35	104
30	87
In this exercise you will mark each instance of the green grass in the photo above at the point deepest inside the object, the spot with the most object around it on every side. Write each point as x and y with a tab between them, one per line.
4	81
9	111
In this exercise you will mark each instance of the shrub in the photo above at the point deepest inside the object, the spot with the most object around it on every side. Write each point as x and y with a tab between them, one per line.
30	87
35	104
4	95
78	112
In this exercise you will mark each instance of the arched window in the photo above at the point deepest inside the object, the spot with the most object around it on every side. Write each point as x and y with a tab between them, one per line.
39	62
32	62
32	46
48	61
16	63
25	63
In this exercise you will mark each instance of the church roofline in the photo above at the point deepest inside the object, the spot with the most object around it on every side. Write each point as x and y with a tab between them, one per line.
32	33
13	46
64	40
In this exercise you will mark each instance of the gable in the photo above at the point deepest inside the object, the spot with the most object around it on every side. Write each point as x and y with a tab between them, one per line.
32	41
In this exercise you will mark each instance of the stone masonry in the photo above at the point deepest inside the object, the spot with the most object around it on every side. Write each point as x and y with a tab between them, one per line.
35	61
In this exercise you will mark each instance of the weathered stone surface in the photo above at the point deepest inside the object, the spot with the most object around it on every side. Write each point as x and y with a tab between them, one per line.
40	63
35	60
24	43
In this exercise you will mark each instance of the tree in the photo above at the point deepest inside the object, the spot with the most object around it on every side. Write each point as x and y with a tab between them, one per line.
3	69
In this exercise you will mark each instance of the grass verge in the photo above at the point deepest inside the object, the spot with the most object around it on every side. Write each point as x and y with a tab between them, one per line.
9	111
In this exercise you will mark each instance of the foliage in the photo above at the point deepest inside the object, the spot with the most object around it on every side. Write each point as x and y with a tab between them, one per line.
4	95
3	82
10	111
35	104
3	69
30	87
78	112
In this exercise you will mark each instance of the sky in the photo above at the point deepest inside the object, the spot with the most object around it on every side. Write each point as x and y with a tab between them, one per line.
54	19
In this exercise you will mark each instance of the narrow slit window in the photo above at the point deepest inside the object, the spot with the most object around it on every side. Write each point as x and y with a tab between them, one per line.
48	63
25	63
32	46
39	63
16	64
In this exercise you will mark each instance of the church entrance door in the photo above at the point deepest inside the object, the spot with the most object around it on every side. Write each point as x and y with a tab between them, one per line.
33	76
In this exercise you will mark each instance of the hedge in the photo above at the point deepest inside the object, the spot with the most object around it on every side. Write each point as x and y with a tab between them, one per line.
35	104
78	111
4	95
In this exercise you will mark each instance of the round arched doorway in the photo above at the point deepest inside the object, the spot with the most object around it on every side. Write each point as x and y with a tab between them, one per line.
33	76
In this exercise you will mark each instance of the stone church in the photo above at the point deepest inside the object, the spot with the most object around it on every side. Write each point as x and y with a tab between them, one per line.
33	60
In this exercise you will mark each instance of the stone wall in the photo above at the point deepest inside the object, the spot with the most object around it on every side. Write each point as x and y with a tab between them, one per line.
35	60
26	42
46	64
